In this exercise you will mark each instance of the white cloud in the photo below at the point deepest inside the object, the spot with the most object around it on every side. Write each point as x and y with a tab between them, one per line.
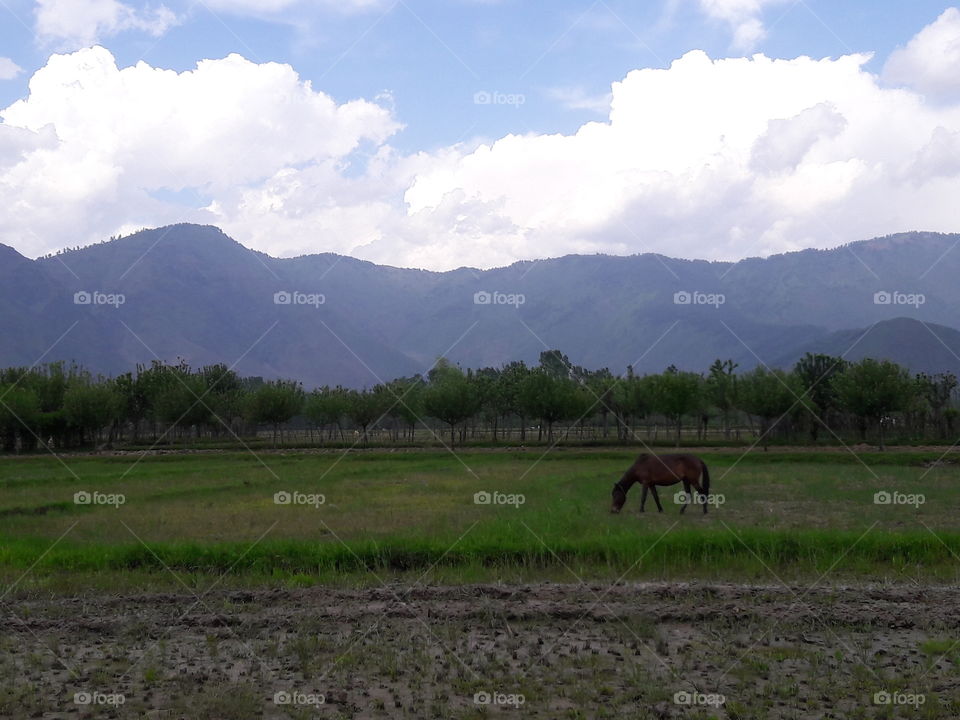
743	17
119	135
787	141
9	69
716	159
576	98
930	62
80	23
938	158
707	158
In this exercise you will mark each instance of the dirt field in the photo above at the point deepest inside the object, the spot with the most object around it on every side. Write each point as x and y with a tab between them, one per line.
654	650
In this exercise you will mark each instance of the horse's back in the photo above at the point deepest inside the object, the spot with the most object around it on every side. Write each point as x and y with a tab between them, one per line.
669	466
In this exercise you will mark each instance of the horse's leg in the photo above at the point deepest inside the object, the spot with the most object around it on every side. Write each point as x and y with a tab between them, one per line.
656	497
643	498
687	495
702	493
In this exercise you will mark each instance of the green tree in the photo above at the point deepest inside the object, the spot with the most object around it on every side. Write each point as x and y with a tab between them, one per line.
19	413
490	391
327	407
177	397
603	386
937	391
275	403
721	390
551	398
450	396
366	408
91	407
224	395
768	395
635	398
407	402
816	373
872	389
556	364
675	394
50	383
511	379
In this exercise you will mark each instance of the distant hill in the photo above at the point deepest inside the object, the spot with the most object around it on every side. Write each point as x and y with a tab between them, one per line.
190	291
922	347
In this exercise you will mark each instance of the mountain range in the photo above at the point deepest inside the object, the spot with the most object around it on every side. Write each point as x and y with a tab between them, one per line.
191	292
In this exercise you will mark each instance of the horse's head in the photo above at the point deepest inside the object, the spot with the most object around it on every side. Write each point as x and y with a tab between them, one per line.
618	499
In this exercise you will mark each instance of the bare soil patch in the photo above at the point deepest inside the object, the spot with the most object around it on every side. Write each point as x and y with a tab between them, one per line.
423	651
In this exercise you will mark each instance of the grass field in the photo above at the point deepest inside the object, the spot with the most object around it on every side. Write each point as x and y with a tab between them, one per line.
415	512
383	589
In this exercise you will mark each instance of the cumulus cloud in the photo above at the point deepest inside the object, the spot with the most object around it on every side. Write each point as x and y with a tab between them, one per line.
939	158
706	158
743	17
79	23
930	62
120	135
714	158
9	69
787	141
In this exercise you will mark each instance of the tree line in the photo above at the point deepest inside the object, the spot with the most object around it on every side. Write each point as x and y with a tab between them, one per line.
821	398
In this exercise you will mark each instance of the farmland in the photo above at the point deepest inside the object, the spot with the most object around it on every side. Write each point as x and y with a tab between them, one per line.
405	582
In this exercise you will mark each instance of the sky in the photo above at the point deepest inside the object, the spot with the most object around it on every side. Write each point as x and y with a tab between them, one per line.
444	133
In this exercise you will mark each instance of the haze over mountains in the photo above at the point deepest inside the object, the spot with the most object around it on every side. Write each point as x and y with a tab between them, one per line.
190	291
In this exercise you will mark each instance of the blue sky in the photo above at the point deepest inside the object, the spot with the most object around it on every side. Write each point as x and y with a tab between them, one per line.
547	67
433	56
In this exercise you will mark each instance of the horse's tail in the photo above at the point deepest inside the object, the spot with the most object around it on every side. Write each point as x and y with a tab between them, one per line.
705	476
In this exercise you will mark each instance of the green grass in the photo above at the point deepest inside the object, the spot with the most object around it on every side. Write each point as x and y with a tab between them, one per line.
404	514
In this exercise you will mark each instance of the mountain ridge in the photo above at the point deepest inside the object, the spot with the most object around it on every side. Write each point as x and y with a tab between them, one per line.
191	291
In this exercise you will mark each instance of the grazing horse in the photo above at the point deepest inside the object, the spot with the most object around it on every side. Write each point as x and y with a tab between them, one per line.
653	470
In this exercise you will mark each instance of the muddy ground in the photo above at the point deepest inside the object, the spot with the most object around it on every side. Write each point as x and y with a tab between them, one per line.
651	650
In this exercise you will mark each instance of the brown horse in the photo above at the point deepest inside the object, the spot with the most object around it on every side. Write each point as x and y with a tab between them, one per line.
653	470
